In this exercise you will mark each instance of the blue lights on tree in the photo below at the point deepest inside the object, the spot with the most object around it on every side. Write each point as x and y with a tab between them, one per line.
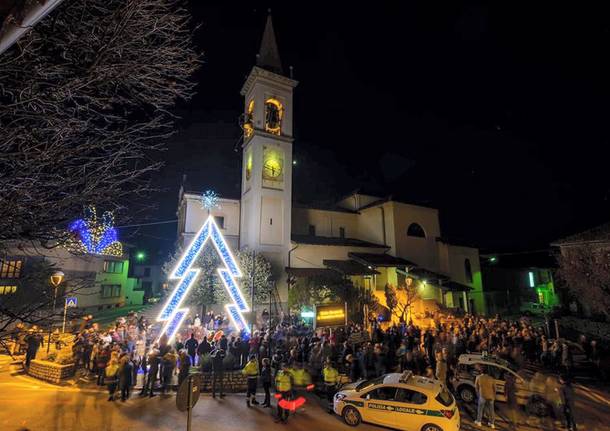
95	236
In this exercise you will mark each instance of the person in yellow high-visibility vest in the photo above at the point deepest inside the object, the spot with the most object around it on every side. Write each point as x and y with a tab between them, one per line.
331	378
251	372
283	386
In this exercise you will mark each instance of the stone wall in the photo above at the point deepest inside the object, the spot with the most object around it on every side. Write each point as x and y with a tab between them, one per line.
50	371
599	330
234	381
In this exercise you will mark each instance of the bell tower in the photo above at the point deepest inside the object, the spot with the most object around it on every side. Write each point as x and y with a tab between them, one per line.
266	196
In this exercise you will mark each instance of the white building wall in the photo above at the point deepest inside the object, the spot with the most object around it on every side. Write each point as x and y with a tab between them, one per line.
195	215
327	223
422	251
312	256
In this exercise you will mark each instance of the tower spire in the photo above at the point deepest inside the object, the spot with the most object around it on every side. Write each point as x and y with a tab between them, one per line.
268	55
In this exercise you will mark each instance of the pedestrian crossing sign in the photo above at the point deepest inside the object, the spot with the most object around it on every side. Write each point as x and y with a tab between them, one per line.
71	301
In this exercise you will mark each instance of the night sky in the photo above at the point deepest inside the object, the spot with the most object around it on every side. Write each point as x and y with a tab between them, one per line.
496	115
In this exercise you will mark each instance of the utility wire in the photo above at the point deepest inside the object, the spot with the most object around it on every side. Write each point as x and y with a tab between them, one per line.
148	224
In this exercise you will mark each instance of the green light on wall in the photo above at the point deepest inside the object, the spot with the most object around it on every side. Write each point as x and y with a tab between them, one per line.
493	259
531	276
140	256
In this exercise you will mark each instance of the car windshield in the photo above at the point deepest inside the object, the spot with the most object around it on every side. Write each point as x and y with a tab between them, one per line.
369	383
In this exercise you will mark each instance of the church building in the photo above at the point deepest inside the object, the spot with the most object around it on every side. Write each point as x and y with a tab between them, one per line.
372	240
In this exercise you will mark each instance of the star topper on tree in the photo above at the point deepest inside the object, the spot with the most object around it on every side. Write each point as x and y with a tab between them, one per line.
172	313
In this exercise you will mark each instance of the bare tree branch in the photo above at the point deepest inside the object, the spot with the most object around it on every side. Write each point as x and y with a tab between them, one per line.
85	103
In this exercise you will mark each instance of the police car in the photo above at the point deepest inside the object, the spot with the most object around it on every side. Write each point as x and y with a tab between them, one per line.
401	401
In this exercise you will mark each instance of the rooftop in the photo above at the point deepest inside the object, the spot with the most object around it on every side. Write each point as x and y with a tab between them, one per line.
334	241
380	260
349	267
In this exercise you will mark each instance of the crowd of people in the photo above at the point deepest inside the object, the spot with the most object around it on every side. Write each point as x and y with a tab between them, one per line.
289	354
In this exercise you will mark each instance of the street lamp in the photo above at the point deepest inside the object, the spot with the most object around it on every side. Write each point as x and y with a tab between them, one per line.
56	278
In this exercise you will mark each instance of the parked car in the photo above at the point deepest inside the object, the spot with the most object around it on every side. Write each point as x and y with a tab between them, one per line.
534	309
529	392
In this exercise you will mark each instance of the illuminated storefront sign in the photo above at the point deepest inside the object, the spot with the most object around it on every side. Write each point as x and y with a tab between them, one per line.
331	315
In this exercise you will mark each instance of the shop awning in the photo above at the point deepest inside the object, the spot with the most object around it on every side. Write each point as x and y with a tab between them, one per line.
380	260
454	286
349	267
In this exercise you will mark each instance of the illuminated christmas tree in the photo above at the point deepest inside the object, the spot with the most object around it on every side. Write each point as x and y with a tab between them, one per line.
93	235
172	313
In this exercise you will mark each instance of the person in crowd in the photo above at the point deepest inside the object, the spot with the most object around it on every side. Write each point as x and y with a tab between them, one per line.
102	358
283	386
266	381
251	372
441	368
331	378
566	395
168	363
185	366
33	340
218	356
125	375
154	362
191	346
112	378
486	391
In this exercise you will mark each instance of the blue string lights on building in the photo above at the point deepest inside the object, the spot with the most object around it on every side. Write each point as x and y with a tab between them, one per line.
93	236
172	313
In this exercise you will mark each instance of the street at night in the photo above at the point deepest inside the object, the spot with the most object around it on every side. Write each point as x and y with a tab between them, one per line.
73	408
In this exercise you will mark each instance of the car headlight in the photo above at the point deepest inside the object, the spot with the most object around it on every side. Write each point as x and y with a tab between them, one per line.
339	397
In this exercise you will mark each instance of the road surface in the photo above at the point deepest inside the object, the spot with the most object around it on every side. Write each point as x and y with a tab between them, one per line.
29	404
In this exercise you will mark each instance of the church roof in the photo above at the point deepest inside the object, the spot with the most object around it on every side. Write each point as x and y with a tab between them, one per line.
349	267
454	286
380	260
333	241
268	55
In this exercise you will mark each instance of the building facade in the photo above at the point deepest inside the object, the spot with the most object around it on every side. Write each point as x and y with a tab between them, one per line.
99	282
512	280
370	239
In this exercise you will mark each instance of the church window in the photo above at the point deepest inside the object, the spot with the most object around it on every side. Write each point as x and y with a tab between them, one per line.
220	221
249	120
312	230
416	230
249	162
274	113
342	232
468	270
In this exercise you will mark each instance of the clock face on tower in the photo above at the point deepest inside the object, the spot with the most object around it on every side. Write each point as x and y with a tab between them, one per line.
273	168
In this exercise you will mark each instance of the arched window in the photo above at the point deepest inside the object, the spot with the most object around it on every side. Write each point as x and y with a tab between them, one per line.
468	270
416	231
274	113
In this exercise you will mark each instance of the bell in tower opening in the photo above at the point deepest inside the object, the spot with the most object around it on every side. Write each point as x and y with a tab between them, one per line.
274	112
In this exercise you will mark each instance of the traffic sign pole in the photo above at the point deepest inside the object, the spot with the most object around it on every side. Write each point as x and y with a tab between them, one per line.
68	302
63	327
189	402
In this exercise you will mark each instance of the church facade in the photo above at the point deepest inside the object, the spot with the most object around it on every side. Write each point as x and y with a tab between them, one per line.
369	239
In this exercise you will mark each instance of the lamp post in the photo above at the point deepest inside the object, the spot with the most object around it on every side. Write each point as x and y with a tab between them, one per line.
56	278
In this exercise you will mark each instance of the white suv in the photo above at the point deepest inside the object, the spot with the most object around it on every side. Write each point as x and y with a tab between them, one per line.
528	392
